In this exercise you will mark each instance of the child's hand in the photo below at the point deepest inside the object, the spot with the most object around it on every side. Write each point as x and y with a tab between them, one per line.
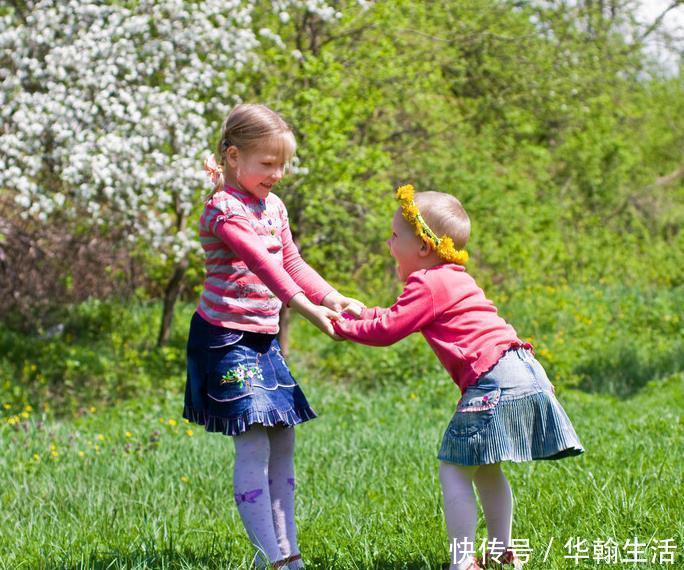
320	316
340	303
354	309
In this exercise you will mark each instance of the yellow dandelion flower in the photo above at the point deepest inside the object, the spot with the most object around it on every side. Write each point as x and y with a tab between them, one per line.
92	409
36	457
162	421
97	449
405	192
53	447
187	421
28	408
100	437
6	406
54	454
24	415
13	420
81	454
448	252
129	434
411	210
189	432
185	479
172	422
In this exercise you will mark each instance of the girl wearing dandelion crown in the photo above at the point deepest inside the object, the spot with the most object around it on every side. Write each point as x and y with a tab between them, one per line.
507	410
238	382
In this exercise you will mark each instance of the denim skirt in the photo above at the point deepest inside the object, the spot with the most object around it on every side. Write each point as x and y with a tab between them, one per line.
509	414
238	378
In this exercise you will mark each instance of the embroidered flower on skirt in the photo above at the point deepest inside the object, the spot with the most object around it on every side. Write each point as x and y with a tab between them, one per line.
242	374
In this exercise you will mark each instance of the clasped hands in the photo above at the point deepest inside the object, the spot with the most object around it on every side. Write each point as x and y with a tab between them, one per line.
330	309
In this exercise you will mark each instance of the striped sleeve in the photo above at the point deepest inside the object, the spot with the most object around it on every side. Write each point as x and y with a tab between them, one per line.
237	233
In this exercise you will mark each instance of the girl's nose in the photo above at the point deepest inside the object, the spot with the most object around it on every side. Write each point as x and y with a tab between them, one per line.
278	174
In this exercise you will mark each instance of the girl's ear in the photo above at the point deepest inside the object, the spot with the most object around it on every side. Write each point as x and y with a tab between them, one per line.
425	248
232	153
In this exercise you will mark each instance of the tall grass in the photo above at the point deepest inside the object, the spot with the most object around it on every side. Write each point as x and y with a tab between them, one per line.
133	486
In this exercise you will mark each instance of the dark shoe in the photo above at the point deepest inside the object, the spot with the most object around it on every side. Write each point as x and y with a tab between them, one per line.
506	558
285	561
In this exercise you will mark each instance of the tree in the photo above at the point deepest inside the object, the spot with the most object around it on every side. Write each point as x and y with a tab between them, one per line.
539	115
107	110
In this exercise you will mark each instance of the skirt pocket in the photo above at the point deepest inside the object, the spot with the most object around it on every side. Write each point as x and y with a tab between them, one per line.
474	411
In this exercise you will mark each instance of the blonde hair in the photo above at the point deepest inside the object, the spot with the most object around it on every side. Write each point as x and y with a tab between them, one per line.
444	214
251	125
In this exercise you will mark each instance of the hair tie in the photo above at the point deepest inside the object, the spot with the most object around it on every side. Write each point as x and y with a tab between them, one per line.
213	169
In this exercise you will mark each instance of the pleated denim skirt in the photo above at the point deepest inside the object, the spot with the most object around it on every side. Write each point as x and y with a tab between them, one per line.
510	414
237	378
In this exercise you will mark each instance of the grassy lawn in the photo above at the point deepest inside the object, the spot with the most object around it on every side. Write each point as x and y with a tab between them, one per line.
133	486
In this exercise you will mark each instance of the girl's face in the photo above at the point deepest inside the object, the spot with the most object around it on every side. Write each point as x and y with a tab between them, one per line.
258	170
405	247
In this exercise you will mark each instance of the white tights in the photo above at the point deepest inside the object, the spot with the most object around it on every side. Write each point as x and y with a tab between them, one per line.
263	484
460	507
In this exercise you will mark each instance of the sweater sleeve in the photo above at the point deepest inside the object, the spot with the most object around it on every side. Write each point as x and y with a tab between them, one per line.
372	313
413	310
239	235
314	286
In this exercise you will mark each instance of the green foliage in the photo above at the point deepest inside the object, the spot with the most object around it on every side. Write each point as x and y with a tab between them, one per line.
100	351
548	122
561	138
599	338
602	339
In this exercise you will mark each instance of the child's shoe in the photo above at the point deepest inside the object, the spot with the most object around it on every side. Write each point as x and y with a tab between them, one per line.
290	563
506	558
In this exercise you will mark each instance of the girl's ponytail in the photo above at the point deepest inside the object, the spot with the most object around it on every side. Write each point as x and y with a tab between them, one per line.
214	171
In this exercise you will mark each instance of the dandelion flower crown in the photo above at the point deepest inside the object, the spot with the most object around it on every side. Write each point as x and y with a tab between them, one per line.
444	246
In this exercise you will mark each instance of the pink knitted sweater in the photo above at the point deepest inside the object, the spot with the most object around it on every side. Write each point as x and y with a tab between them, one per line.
252	264
445	304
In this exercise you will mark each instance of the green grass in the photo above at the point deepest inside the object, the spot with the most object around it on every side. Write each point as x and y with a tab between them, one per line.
368	492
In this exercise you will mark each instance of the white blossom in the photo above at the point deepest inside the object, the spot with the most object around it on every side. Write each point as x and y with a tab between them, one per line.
107	110
326	11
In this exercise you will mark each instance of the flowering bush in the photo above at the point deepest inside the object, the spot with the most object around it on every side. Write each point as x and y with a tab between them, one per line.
107	109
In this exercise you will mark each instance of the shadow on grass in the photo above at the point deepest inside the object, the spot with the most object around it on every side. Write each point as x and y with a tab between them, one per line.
167	559
626	370
175	560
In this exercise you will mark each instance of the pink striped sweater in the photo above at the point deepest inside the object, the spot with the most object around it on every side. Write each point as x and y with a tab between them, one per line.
252	265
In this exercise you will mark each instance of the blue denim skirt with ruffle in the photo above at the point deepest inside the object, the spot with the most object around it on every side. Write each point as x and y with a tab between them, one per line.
237	378
510	414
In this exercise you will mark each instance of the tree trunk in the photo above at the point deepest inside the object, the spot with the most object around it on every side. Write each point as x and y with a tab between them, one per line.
170	295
